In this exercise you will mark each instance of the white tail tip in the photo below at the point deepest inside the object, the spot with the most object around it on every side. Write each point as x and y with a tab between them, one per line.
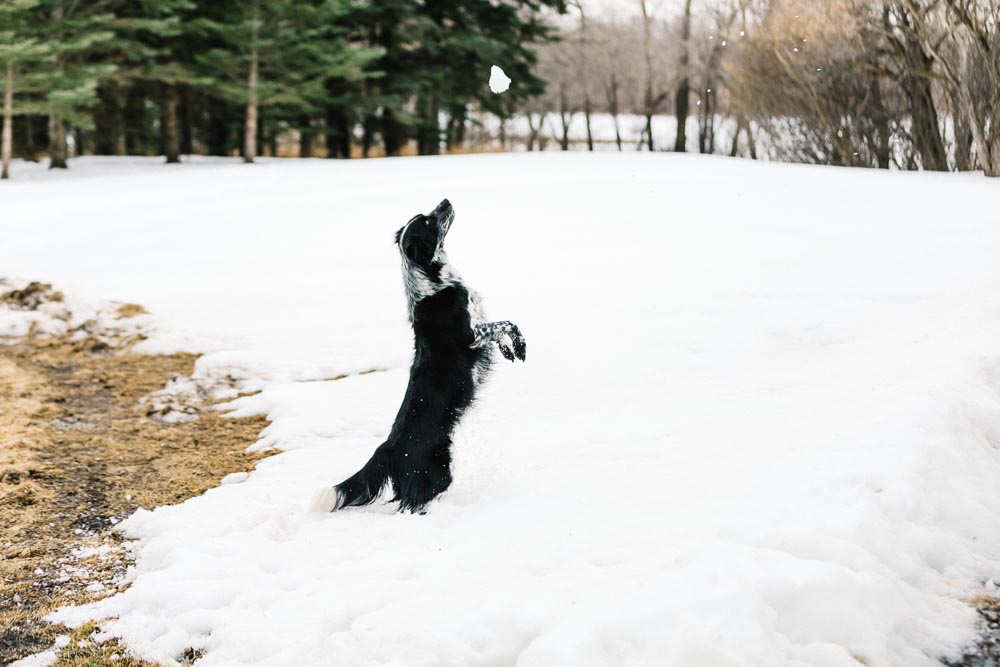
325	500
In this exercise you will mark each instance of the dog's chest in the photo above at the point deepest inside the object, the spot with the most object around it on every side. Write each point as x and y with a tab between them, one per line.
444	319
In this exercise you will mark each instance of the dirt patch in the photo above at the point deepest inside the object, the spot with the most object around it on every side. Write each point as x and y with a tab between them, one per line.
78	453
30	297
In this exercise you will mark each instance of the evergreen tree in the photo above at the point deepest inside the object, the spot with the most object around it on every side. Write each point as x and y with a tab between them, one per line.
73	32
276	53
437	61
21	53
154	46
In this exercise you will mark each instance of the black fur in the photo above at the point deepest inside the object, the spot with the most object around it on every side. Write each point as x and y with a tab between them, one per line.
451	358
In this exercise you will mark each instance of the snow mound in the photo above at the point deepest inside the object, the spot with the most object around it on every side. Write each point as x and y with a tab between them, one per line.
37	309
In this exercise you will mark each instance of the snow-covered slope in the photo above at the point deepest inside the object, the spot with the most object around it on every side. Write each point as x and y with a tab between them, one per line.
758	424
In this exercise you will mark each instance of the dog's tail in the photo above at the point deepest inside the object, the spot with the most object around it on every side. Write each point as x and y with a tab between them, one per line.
361	488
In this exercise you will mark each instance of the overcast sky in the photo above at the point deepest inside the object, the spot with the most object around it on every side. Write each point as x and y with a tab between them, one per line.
629	6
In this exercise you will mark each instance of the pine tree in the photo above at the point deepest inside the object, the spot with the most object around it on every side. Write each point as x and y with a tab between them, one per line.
20	51
276	53
154	47
437	59
73	32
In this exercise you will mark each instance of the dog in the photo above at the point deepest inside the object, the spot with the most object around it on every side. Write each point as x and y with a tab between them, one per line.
451	359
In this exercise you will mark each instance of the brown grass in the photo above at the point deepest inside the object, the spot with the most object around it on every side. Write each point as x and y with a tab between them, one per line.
77	454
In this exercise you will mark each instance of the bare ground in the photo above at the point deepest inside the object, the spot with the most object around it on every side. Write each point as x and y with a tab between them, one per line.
78	453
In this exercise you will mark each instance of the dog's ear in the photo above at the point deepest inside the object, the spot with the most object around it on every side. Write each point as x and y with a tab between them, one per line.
399	234
417	250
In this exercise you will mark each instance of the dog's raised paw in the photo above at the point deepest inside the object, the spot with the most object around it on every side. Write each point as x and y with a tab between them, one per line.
520	347
326	500
512	345
506	347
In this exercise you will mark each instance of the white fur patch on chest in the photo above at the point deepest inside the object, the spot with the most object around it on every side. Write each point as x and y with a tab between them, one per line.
419	285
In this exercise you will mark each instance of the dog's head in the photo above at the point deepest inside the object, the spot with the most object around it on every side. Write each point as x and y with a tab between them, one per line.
421	240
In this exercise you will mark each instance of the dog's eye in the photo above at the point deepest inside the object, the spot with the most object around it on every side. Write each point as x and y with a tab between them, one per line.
427	221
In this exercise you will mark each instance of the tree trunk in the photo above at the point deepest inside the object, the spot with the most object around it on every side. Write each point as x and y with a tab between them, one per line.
187	121
455	135
565	117
459	136
648	57
750	141
57	143
368	128
137	137
586	116
31	138
926	132
250	130
532	132
682	98
305	136
171	135
611	91
429	131
217	132
108	116
392	133
7	140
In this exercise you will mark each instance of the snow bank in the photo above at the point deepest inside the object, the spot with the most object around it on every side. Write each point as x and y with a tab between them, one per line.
759	424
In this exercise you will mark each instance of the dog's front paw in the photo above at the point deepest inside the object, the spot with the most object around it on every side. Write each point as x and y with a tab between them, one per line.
512	345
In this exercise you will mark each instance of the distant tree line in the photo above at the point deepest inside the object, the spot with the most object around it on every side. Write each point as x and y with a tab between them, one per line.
910	84
907	84
221	77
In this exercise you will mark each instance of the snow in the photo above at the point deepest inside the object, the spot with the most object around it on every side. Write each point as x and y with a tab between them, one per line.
44	659
499	81
758	424
235	478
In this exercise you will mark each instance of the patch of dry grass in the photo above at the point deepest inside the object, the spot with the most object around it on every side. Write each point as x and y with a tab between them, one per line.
77	454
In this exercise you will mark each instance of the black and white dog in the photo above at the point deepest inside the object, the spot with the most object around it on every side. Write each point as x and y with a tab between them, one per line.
451	358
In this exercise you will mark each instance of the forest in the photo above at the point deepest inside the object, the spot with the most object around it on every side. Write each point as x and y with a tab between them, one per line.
903	84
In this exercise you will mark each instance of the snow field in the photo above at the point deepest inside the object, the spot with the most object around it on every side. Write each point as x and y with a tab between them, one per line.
757	424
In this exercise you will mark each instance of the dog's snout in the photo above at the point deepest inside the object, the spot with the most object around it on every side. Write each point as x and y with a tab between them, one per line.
444	210
445	214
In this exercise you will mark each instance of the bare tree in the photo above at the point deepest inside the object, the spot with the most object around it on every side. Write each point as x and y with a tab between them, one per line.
913	70
584	54
682	98
969	56
654	93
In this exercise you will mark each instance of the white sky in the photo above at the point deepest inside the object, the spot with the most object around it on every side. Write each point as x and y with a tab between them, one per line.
629	7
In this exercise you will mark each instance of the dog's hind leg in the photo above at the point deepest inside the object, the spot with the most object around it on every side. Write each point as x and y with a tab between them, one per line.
361	488
423	473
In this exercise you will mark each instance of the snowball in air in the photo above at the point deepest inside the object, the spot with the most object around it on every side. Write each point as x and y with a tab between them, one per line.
499	82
